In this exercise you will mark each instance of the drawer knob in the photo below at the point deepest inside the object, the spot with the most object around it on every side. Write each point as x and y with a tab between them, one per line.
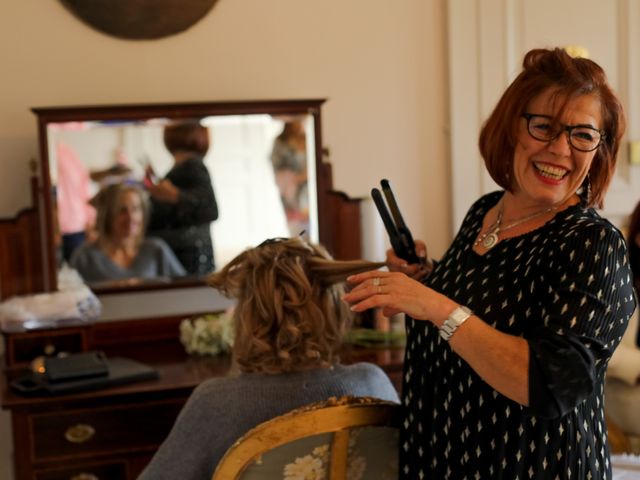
79	433
49	349
84	476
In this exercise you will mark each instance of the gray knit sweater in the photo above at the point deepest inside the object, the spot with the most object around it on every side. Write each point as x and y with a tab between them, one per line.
221	410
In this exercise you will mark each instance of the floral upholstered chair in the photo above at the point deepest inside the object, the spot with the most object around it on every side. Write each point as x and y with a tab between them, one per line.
353	438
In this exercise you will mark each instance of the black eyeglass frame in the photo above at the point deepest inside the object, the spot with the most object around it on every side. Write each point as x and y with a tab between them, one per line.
565	128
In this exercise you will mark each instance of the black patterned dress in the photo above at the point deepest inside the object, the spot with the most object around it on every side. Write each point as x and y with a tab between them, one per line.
566	288
186	225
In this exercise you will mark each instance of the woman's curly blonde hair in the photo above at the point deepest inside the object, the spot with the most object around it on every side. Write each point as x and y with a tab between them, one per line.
289	314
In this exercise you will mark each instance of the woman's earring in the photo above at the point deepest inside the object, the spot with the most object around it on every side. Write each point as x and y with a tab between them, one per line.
584	192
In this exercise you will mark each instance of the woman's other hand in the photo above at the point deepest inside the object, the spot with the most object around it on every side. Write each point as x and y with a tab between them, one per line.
417	271
165	191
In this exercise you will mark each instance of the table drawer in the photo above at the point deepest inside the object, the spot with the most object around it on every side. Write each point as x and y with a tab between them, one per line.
24	347
100	471
101	430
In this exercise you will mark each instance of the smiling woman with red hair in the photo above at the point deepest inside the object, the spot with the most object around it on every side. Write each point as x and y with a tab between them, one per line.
512	330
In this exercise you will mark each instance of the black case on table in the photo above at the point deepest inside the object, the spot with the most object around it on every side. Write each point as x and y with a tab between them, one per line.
80	372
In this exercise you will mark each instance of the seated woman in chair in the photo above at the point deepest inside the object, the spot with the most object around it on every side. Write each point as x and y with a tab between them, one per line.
289	323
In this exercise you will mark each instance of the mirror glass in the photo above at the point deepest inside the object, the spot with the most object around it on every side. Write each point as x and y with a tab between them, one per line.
124	185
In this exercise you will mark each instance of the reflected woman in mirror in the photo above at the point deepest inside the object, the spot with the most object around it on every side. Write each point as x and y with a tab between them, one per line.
121	251
74	213
183	204
289	160
289	323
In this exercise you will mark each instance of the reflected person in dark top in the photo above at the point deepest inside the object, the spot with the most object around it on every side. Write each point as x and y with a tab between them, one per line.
183	204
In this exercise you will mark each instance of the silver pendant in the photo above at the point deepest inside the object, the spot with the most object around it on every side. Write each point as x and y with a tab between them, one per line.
490	240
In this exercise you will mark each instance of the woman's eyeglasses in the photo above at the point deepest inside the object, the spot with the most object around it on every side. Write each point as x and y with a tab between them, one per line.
583	138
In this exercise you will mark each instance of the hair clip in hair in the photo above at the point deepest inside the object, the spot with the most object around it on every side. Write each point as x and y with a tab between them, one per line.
270	241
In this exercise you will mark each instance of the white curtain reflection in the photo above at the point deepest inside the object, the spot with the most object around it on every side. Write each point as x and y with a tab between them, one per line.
248	199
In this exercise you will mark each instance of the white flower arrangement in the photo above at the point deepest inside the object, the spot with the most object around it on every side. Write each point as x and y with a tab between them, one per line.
207	335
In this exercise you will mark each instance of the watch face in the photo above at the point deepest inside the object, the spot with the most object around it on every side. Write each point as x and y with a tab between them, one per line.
460	314
140	19
453	321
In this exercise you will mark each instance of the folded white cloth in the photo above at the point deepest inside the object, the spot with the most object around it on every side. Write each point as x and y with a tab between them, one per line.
625	467
75	305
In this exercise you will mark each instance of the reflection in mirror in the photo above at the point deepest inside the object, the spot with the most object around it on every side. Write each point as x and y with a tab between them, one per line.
199	206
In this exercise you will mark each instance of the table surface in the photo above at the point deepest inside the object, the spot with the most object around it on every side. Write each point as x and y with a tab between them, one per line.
178	373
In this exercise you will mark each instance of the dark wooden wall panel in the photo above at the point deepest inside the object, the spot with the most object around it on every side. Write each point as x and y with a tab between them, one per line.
20	255
345	226
340	223
21	261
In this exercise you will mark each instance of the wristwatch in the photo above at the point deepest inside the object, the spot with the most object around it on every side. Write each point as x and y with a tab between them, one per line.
453	321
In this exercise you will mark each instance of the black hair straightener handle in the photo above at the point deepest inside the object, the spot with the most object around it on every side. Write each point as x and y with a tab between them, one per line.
399	234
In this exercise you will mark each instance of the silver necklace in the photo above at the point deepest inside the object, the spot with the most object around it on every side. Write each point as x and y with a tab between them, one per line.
489	239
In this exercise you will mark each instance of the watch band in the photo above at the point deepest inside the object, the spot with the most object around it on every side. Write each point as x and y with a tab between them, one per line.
453	321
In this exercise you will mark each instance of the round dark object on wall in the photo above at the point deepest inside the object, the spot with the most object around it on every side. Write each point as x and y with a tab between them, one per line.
139	19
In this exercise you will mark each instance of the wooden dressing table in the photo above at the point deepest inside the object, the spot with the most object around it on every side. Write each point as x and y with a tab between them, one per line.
112	433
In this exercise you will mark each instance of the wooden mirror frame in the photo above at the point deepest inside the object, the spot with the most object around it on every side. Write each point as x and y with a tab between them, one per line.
331	211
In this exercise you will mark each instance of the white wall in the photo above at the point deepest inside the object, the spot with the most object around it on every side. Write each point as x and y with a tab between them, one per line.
498	35
380	63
